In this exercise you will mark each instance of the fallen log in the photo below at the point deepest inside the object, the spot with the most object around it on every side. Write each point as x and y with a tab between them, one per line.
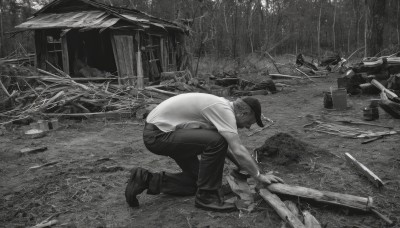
392	108
388	93
350	201
280	208
364	170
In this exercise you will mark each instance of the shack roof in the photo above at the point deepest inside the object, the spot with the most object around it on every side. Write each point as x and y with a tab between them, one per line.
91	14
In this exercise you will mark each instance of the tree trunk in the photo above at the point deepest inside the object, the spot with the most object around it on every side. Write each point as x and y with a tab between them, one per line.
374	26
366	30
319	29
234	31
398	21
333	26
1	34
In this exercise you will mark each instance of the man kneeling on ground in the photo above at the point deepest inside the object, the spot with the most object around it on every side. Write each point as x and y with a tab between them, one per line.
187	125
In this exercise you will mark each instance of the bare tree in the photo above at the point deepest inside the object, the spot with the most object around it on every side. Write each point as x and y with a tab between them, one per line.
375	9
319	29
333	26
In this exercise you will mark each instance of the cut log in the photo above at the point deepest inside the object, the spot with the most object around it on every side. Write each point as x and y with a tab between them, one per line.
350	201
310	221
280	208
364	170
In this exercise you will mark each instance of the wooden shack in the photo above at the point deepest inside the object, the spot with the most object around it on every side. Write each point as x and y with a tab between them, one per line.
85	38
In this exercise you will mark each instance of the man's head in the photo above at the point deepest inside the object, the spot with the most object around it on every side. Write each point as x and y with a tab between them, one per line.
247	112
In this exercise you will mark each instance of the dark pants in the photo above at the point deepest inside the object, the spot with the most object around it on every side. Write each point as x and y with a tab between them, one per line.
184	145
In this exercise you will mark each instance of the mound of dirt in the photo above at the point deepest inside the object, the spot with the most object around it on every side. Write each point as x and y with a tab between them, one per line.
284	149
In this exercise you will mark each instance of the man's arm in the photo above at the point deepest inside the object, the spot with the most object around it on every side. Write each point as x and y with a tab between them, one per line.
245	160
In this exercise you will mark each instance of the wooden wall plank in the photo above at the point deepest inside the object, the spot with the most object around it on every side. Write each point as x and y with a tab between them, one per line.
65	55
139	82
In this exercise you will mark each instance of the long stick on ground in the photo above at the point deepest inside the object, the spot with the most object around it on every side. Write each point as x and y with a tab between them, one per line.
273	62
4	88
364	170
304	74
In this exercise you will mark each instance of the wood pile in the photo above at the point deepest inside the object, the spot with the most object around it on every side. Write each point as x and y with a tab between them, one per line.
373	76
384	69
61	95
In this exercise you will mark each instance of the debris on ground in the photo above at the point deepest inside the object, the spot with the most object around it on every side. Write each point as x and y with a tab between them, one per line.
344	131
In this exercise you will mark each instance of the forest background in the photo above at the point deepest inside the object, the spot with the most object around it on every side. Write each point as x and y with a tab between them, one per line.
236	28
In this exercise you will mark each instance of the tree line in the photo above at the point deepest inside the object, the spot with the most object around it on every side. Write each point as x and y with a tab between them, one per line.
233	28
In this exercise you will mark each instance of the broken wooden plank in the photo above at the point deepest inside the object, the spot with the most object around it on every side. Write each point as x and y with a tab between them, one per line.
350	201
280	208
372	139
44	165
33	150
375	134
160	91
111	114
285	76
45	224
363	123
364	170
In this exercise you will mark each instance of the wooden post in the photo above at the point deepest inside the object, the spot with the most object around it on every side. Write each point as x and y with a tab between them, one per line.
139	82
355	202
280	208
364	171
115	52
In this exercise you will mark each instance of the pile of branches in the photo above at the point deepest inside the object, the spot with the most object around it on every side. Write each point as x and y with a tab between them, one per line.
61	95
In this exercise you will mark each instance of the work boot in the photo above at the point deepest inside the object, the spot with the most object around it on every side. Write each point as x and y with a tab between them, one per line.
212	200
137	183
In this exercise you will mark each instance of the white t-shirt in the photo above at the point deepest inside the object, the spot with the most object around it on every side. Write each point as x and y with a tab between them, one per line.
192	110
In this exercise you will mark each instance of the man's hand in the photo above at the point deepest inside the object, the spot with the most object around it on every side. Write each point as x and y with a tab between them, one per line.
269	179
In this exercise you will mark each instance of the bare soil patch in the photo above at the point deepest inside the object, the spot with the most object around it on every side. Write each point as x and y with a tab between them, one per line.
85	188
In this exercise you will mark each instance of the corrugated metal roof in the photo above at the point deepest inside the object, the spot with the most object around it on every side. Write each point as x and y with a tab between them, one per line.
81	19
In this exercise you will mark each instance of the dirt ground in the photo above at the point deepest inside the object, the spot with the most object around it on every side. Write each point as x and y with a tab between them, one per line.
85	188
